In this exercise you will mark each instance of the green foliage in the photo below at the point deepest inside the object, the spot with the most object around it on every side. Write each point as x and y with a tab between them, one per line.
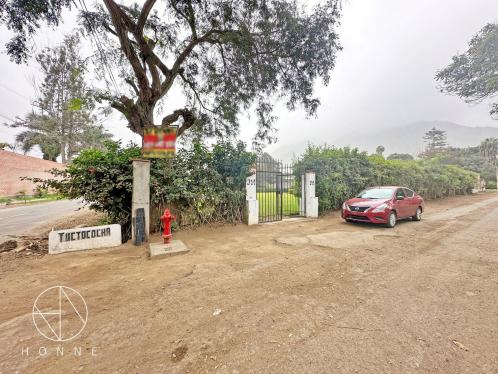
470	158
400	156
226	56
24	18
472	74
61	121
489	150
491	185
342	173
5	200
435	143
200	185
40	192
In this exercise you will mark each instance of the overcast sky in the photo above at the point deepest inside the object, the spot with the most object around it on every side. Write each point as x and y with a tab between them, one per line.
384	76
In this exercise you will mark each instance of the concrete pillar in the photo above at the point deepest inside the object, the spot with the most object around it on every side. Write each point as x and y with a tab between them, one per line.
302	199
311	202
141	194
252	204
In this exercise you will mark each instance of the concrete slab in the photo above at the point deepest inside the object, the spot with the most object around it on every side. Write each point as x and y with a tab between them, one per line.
340	239
160	250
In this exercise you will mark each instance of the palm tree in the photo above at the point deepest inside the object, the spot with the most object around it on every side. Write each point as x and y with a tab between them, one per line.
489	150
41	131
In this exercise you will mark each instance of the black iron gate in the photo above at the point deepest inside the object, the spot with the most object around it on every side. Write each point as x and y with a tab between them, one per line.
279	190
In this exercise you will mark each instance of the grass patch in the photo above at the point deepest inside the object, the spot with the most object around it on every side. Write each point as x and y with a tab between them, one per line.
268	205
29	199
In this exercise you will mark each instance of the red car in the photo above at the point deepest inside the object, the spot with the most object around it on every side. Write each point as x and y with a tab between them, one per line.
384	205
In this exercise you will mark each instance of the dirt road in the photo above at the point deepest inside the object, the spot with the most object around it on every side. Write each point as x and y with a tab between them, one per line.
317	296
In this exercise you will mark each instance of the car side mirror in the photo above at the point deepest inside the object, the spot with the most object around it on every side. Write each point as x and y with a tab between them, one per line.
400	198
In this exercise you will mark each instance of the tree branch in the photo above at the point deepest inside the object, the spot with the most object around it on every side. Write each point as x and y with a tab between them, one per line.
196	94
133	85
188	120
122	25
144	14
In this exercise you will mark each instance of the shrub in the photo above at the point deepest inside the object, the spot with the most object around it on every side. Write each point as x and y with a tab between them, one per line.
202	186
199	185
491	185
5	200
342	173
39	192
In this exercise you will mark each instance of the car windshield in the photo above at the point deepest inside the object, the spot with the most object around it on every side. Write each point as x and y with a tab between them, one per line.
376	193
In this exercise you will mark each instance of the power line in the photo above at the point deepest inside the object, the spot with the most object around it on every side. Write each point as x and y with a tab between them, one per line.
14	92
7	118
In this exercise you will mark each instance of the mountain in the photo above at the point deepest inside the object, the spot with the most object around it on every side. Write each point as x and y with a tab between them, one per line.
406	139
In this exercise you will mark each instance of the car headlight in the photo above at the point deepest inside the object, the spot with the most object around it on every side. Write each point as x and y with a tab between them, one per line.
380	208
345	206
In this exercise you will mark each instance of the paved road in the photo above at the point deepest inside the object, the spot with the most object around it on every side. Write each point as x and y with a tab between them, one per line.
19	220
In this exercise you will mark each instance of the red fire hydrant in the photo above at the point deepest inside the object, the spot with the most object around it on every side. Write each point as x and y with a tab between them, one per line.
166	220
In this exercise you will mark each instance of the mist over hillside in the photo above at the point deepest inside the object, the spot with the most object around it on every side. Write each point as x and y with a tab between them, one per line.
407	139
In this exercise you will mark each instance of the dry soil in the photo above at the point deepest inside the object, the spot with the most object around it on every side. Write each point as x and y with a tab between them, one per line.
318	296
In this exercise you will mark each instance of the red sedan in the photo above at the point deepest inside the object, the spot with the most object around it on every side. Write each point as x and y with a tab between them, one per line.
384	205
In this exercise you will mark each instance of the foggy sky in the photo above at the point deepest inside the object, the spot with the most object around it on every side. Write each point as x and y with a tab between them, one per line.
384	76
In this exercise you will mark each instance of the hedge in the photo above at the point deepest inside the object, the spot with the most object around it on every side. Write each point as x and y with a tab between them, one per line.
343	172
203	185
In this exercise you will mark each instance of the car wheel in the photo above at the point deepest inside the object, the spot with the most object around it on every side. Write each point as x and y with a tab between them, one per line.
391	221
418	215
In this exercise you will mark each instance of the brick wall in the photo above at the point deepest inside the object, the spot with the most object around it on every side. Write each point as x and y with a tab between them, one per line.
13	166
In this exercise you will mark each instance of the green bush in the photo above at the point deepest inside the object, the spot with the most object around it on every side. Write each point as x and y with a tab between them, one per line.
342	173
491	185
5	200
40	192
199	185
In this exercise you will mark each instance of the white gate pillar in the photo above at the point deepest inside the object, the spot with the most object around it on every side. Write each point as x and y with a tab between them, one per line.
252	205
141	194
311	202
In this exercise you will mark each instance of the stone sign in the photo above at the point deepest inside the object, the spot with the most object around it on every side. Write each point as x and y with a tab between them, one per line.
84	238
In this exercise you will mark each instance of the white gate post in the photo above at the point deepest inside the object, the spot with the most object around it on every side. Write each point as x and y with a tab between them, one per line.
141	194
311	202
252	205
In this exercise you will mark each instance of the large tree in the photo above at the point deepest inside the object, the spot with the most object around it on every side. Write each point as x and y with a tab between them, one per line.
226	56
435	142
489	149
62	121
473	75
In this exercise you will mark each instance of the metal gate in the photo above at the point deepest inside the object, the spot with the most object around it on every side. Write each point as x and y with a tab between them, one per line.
279	190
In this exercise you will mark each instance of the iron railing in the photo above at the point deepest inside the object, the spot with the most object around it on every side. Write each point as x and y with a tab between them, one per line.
280	190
